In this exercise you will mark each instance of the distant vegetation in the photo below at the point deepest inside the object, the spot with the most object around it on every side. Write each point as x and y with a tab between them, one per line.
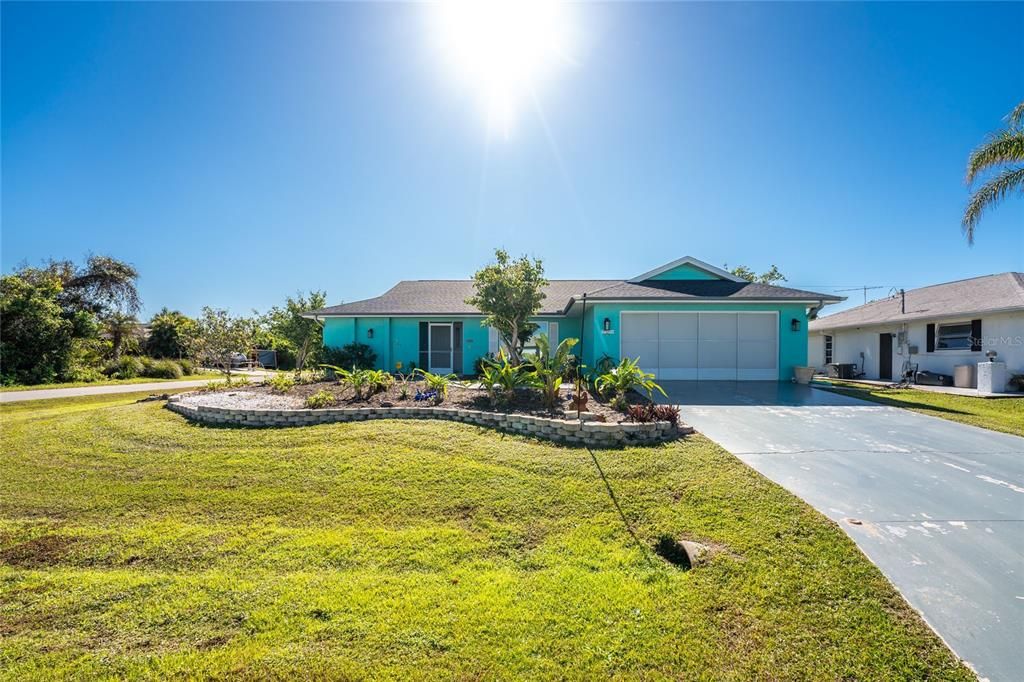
770	276
64	322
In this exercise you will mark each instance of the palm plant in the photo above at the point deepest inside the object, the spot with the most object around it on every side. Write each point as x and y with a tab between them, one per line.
500	378
121	328
550	366
1003	150
626	377
437	382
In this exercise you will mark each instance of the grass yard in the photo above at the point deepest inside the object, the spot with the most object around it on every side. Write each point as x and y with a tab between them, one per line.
998	414
209	376
135	545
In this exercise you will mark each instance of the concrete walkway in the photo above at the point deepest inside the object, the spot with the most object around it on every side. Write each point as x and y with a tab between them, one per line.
938	506
152	387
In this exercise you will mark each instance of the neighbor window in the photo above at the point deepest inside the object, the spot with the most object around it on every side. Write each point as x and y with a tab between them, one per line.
828	350
953	336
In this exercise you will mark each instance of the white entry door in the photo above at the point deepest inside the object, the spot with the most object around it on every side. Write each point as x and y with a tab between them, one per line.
440	348
710	346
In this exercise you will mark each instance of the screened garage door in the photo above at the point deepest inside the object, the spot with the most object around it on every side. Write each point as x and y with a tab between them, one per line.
704	346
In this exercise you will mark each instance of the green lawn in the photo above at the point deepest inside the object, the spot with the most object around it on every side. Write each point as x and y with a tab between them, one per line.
998	414
112	382
133	544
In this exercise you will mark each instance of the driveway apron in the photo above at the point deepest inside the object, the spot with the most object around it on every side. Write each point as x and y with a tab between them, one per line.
938	506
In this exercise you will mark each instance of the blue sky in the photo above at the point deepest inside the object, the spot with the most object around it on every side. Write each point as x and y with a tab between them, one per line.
238	152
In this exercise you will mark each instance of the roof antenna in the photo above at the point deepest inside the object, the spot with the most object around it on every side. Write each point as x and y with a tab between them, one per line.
903	299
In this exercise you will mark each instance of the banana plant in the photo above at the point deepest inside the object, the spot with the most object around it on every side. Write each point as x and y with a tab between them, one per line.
548	367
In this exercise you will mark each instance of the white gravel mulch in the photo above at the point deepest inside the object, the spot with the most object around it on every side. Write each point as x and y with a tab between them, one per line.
242	400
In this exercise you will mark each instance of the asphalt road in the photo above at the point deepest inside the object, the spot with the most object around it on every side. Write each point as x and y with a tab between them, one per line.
938	506
155	387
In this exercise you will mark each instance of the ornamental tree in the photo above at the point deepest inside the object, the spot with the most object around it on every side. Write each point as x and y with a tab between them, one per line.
508	293
218	336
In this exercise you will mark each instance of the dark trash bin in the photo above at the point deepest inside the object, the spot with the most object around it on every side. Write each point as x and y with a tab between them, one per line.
842	371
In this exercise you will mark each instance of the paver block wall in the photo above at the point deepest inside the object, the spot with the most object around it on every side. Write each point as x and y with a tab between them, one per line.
594	434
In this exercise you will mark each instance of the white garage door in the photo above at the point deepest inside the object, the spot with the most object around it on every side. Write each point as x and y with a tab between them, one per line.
704	346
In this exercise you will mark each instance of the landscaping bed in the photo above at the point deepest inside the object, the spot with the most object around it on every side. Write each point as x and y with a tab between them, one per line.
460	396
523	412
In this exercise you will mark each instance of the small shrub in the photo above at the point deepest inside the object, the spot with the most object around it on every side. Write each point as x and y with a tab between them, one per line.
163	369
501	378
125	367
437	382
667	413
378	380
281	383
626	377
641	414
481	363
187	366
649	412
320	399
351	356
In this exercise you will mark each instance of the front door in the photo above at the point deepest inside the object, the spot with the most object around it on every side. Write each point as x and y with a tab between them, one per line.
441	348
885	356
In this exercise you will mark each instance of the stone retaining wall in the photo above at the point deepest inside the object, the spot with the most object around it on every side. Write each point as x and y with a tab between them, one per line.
592	433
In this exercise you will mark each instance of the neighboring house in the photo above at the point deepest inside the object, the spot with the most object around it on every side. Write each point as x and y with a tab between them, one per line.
937	327
684	320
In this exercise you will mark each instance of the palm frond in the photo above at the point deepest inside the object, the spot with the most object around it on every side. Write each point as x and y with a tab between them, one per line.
1006	146
1016	117
989	194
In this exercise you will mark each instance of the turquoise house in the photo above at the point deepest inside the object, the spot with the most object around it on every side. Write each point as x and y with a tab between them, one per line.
685	320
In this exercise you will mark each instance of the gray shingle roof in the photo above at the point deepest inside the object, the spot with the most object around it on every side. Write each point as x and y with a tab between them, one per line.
447	297
964	297
686	289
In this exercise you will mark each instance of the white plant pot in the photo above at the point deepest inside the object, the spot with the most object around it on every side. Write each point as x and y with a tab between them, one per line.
803	374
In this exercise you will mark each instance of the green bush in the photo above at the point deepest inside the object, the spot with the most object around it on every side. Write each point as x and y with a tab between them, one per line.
320	399
626	377
281	383
125	367
500	378
550	365
378	380
163	369
187	366
437	382
351	356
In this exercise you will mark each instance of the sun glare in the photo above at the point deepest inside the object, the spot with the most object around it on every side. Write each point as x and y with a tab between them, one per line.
503	51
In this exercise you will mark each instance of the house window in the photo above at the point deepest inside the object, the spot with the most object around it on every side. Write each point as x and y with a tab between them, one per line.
828	350
542	328
953	336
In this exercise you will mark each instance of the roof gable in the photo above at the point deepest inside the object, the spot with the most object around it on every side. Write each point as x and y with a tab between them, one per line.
686	268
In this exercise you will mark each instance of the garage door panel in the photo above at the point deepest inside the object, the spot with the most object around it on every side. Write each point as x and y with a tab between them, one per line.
678	326
639	327
646	351
717	354
717	326
756	354
756	327
673	354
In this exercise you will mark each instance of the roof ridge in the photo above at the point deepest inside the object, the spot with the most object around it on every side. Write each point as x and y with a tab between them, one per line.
958	281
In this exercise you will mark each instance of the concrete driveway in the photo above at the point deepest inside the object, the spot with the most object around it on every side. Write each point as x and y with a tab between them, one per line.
938	506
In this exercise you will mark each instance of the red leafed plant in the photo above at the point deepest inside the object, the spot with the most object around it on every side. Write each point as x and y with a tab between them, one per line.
649	412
